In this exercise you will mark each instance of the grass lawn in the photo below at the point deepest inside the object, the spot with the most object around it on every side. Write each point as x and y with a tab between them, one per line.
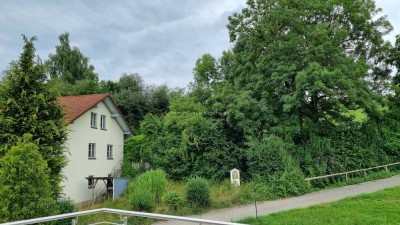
379	208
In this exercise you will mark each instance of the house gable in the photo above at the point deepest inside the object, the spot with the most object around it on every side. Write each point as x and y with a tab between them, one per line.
76	106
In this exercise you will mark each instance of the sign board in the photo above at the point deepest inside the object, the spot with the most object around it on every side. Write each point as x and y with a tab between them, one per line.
235	177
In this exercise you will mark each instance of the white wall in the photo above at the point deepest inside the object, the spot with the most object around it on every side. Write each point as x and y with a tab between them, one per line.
80	166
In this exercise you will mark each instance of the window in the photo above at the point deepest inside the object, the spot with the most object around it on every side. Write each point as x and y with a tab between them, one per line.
92	151
93	120
109	152
103	122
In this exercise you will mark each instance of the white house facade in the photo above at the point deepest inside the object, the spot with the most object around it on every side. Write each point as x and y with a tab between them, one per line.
96	134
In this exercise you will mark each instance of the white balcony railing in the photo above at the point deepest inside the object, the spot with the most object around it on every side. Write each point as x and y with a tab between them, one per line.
75	215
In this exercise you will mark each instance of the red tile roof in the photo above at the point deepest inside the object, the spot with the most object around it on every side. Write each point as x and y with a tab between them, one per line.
76	106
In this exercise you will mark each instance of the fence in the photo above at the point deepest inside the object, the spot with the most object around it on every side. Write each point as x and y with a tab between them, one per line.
349	172
119	212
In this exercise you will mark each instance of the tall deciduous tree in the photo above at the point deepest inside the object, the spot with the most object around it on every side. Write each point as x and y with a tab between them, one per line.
70	71
69	64
25	190
395	57
312	61
29	106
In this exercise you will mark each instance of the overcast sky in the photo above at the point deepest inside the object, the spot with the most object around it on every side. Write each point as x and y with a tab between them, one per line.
159	39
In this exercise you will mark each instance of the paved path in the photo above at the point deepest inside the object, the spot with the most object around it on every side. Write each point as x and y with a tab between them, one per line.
324	196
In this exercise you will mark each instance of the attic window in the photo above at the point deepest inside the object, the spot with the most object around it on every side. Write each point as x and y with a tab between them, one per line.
103	122
93	120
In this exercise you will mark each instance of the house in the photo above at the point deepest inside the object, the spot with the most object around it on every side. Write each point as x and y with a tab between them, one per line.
96	134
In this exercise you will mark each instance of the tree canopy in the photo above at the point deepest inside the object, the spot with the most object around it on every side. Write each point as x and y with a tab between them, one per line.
69	64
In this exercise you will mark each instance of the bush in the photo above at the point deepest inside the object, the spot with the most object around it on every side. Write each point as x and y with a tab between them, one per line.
142	200
24	181
257	189
65	205
148	189
154	181
135	151
291	182
198	192
172	199
266	157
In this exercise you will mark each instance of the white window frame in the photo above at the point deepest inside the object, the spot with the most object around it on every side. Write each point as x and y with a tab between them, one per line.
92	151
103	122
110	152
93	120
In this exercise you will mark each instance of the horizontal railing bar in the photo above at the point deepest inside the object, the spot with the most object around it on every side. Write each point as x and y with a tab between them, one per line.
353	171
55	217
105	223
167	217
120	212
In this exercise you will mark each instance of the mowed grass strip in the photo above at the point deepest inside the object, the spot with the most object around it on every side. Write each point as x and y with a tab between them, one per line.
379	208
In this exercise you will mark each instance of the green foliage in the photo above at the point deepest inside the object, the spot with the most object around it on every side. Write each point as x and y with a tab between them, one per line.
291	182
136	100
65	205
135	151
257	189
267	157
148	189
185	135
142	199
198	192
28	105
172	199
25	190
206	71
154	181
69	64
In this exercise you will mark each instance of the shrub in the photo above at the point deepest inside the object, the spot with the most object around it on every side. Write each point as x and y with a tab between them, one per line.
291	182
135	150
65	205
172	199
198	192
24	181
257	189
148	189
266	157
154	181
142	200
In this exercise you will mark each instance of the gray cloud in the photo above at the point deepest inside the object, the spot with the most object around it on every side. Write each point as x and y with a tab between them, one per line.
159	39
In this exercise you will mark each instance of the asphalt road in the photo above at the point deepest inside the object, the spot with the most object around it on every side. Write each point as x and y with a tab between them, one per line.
315	198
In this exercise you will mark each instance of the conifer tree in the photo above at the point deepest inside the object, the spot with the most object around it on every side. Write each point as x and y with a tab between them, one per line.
29	106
